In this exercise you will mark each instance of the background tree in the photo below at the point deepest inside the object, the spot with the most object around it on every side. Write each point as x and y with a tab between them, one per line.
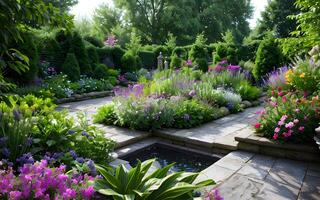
276	18
63	5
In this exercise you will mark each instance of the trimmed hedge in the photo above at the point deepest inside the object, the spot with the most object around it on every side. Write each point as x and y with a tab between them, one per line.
202	64
181	52
92	55
129	62
94	41
148	59
176	62
198	52
100	71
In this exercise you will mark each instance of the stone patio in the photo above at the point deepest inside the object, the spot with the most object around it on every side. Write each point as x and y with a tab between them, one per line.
239	175
242	175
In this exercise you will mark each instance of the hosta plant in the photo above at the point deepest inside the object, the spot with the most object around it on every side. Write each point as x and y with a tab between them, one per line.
140	183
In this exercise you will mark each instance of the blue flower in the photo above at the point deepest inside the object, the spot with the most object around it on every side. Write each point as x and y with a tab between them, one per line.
3	141
71	132
5	152
25	159
91	165
84	133
16	114
80	160
29	141
57	155
186	117
73	154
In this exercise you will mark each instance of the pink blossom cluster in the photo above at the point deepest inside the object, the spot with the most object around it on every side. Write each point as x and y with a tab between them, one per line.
38	181
111	41
224	66
287	126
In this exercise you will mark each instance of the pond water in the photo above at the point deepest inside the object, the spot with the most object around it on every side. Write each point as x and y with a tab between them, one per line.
185	160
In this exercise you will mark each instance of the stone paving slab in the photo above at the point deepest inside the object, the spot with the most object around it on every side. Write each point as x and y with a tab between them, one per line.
264	177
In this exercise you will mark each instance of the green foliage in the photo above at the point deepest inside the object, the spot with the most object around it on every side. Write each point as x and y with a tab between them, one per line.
78	48
207	94
191	113
117	54
268	58
100	71
181	52
138	184
94	41
176	62
202	64
71	67
148	59
163	49
105	115
128	62
276	18
134	45
171	42
247	91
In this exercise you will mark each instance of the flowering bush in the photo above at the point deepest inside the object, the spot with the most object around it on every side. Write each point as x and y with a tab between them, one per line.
38	181
289	117
213	194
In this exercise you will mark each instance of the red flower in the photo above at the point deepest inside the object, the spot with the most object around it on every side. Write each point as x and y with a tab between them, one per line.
257	126
281	94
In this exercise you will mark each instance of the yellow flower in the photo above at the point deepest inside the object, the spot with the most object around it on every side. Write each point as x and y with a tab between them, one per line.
302	75
288	76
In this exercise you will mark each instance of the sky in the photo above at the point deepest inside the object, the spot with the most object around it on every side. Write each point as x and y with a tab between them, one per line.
85	9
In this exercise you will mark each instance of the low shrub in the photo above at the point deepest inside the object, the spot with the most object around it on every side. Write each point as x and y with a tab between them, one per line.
247	91
100	71
198	52
105	115
71	67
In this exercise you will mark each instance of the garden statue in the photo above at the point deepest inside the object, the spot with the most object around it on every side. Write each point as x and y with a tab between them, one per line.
160	61
166	63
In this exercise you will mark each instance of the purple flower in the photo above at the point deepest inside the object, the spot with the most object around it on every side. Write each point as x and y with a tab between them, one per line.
233	68
25	159
80	160
88	193
218	68
3	140
111	41
73	154
71	132
84	133
15	195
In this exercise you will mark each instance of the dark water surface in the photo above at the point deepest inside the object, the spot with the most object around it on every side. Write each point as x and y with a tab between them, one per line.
185	160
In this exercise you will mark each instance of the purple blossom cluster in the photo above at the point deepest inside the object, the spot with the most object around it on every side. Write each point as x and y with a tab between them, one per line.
38	181
213	194
224	66
276	78
135	90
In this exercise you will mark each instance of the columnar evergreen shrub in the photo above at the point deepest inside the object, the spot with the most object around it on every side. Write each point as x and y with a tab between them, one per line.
92	55
71	67
268	58
100	71
202	64
129	62
63	38
79	50
117	53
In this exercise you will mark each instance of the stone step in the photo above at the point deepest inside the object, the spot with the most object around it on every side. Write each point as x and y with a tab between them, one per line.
256	144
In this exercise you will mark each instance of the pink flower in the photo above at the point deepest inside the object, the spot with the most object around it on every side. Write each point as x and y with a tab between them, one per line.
275	136
301	128
295	121
273	104
280	123
285	134
297	110
257	126
284	117
281	94
284	99
189	62
15	195
289	125
277	130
